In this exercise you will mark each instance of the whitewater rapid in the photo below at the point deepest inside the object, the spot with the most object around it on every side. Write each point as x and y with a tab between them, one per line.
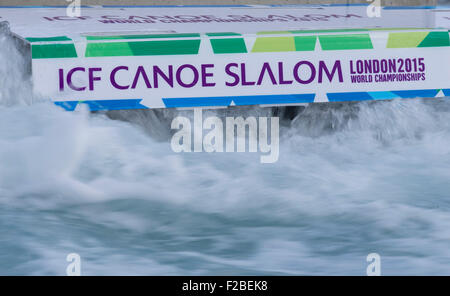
351	179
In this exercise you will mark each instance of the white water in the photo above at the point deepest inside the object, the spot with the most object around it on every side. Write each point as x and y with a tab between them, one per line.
352	179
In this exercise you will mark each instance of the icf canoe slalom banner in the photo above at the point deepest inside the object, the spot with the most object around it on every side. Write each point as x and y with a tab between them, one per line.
161	57
224	69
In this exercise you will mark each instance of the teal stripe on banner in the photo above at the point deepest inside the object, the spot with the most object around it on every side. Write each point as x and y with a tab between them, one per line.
98	105
348	96
382	95
274	99
197	102
422	93
238	100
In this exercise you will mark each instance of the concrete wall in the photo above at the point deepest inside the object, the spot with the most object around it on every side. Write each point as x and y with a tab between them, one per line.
178	2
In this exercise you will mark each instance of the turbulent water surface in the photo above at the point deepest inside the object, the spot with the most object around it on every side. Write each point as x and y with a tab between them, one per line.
351	179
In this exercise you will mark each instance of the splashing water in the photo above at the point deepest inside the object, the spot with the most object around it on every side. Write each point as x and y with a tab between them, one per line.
352	179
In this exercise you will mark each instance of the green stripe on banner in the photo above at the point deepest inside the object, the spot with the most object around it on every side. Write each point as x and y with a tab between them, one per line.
108	49
273	32
172	47
144	36
434	39
335	31
165	47
347	41
49	51
223	34
48	39
274	44
311	31
396	29
328	31
228	45
405	39
305	43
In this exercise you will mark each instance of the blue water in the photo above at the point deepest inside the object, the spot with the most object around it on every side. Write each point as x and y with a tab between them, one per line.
351	179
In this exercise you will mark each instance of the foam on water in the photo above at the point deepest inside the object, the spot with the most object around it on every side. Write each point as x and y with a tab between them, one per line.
352	179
